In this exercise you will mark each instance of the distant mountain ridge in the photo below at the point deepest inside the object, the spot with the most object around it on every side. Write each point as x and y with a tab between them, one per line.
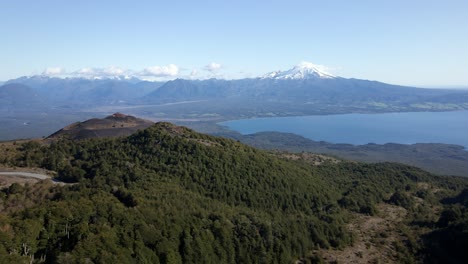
82	91
304	83
16	97
306	89
298	90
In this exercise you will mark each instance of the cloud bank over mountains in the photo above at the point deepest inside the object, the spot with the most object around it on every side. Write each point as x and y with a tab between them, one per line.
53	71
151	73
170	70
173	71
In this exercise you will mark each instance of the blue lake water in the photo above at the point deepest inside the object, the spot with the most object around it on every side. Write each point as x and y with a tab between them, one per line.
359	129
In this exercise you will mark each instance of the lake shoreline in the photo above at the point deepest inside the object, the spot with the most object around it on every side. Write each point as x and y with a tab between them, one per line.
361	129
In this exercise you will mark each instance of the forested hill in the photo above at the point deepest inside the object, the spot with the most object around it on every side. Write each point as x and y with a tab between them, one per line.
167	194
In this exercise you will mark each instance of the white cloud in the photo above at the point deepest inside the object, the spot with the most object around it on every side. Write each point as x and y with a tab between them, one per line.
85	72
153	73
108	72
114	71
170	70
213	67
53	71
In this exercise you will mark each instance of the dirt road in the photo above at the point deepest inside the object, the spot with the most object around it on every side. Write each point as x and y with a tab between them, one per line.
26	174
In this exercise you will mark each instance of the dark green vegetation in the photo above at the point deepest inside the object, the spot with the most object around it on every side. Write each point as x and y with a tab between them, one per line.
169	195
444	159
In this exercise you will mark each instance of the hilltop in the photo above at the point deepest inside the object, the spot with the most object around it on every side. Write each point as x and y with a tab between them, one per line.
114	125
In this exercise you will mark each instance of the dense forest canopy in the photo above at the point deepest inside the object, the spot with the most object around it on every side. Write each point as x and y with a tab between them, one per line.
167	194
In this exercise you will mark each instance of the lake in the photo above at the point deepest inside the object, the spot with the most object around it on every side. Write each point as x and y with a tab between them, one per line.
359	129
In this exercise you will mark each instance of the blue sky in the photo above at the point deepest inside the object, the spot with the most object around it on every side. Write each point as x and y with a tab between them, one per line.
423	43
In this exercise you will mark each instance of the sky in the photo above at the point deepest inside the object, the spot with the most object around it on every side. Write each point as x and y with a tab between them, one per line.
410	42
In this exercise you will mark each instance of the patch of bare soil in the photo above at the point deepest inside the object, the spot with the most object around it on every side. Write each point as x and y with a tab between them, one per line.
6	181
374	237
205	142
427	186
314	159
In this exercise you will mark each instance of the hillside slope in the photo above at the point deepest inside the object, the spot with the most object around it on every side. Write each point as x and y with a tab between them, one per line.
167	194
442	159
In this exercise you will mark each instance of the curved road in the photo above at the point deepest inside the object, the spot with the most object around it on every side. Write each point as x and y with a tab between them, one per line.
30	175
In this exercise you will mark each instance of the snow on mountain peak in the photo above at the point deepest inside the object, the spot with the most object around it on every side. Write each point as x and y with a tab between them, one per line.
304	70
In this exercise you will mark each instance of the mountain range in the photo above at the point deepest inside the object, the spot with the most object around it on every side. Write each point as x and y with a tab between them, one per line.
82	91
304	84
45	104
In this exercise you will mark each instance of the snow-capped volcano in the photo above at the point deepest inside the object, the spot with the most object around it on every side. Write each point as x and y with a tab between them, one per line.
304	70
